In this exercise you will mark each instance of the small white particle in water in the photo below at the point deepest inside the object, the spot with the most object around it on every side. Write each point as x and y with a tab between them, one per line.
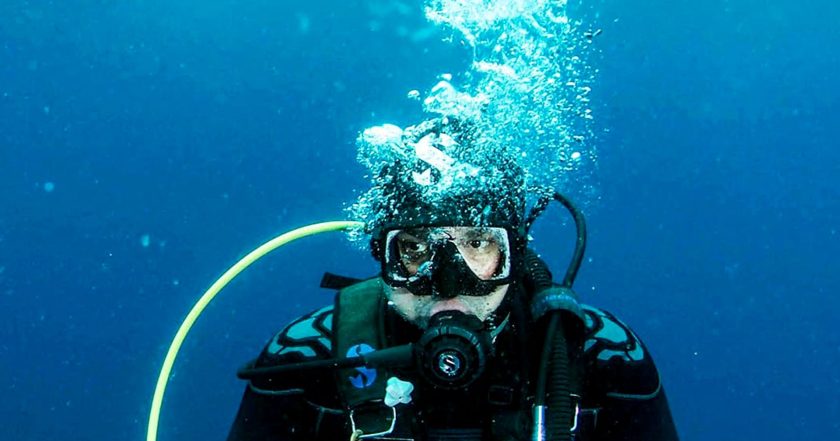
414	94
576	155
49	187
145	240
446	77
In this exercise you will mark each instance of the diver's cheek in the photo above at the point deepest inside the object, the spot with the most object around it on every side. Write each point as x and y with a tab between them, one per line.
482	307
406	304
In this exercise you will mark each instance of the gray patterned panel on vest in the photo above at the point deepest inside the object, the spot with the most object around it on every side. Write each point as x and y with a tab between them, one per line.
610	337
310	336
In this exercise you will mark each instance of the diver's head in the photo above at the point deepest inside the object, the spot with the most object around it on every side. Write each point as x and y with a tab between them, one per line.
450	236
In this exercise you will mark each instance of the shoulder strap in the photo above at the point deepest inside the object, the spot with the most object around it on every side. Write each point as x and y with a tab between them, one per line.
359	328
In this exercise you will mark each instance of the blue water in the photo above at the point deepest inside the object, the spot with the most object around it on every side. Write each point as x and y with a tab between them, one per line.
146	145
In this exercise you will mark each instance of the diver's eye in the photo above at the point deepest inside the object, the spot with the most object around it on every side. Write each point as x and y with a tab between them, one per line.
479	244
414	248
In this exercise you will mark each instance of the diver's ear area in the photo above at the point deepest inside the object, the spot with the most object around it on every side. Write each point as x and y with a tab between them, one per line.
376	247
518	249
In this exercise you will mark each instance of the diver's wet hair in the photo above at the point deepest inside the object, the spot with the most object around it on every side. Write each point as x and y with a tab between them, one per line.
475	188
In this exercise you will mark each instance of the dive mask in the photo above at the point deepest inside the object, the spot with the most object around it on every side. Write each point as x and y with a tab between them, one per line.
447	261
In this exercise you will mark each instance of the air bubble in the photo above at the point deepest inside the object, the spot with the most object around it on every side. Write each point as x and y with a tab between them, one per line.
524	99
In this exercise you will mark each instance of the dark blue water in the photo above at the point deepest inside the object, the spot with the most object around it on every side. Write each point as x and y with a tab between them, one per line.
212	126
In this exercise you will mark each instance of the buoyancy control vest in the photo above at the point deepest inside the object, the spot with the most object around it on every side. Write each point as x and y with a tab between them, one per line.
497	408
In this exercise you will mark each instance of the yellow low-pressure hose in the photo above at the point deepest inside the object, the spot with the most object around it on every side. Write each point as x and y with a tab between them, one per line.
230	274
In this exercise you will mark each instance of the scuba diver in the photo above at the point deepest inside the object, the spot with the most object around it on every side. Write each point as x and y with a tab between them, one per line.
463	335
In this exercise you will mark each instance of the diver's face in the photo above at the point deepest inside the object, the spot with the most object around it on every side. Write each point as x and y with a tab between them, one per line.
419	309
457	254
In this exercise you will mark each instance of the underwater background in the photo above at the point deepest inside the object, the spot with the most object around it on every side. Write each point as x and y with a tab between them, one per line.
146	145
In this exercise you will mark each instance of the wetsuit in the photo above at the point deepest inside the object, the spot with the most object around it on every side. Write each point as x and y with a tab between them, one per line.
621	394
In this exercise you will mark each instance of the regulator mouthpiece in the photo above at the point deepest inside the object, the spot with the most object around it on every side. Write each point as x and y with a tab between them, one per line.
453	352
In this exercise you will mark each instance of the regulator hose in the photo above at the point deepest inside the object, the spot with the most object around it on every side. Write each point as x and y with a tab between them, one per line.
553	389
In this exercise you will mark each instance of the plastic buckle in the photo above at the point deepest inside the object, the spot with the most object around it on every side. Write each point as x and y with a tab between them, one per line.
576	399
374	435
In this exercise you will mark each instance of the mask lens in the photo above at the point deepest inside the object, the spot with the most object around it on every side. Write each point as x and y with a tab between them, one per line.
485	250
409	253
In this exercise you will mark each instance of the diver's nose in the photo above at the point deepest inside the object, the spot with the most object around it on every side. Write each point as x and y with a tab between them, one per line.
443	293
447	281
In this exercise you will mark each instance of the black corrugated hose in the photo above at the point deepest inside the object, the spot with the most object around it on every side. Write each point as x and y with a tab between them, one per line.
554	366
553	388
